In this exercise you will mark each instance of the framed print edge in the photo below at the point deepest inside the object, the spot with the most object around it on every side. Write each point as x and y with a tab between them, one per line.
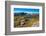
8	14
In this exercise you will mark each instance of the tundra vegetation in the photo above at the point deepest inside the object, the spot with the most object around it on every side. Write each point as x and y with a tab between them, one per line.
25	19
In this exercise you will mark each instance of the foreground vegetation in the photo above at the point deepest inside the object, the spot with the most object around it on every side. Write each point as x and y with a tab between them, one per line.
29	21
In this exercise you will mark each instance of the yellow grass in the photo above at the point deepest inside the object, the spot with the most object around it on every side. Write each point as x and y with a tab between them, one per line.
28	23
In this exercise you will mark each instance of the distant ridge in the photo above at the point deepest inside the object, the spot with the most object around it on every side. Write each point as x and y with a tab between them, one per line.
25	14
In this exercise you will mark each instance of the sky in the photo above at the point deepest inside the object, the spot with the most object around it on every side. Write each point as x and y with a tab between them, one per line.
26	10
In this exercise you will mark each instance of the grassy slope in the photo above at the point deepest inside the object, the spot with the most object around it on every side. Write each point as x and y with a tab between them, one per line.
28	23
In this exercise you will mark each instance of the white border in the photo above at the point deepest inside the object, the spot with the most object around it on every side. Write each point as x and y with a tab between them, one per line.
25	28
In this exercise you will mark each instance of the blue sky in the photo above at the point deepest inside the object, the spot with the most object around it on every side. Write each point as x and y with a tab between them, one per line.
26	10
